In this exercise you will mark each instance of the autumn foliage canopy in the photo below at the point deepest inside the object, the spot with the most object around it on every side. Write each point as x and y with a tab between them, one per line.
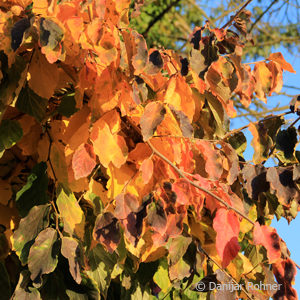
119	176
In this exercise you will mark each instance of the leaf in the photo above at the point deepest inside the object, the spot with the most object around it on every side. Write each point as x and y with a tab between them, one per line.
177	248
30	103
42	259
147	169
220	116
126	204
151	118
285	272
184	123
157	217
256	182
161	276
213	160
34	192
51	35
286	141
10	133
238	142
29	227
109	147
278	57
226	225
263	77
43	76
17	32
140	58
70	212
83	161
107	232
70	250
101	266
12	81
233	162
267	237
281	182
67	106
261	142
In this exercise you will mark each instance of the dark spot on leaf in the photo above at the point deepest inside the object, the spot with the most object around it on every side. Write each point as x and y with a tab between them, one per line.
196	39
184	66
156	59
17	33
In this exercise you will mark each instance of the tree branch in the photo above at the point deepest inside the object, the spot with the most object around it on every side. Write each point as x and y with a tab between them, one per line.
236	15
261	15
180	173
159	17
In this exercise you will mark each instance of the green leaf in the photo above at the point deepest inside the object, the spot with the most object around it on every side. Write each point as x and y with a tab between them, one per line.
70	250
34	192
5	287
238	142
30	103
220	115
10	133
67	106
76	296
101	266
161	277
42	259
177	248
70	212
29	227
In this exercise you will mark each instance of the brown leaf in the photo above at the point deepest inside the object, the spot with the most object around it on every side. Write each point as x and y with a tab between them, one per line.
126	204
278	57
281	182
106	231
152	117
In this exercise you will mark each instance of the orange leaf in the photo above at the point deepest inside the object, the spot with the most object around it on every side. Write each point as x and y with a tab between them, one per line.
226	225
278	57
263	78
83	161
267	237
109	147
43	75
126	204
147	169
152	117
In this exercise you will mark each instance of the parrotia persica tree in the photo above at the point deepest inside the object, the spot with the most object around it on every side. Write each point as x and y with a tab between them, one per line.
119	176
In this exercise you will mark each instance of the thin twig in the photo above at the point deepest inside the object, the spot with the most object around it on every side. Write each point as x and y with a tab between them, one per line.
49	152
245	126
261	15
198	186
236	15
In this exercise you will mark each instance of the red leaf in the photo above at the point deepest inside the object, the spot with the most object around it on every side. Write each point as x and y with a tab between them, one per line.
83	161
227	227
182	189
268	237
285	272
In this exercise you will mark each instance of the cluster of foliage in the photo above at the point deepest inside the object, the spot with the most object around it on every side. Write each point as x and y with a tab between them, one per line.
168	23
119	178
